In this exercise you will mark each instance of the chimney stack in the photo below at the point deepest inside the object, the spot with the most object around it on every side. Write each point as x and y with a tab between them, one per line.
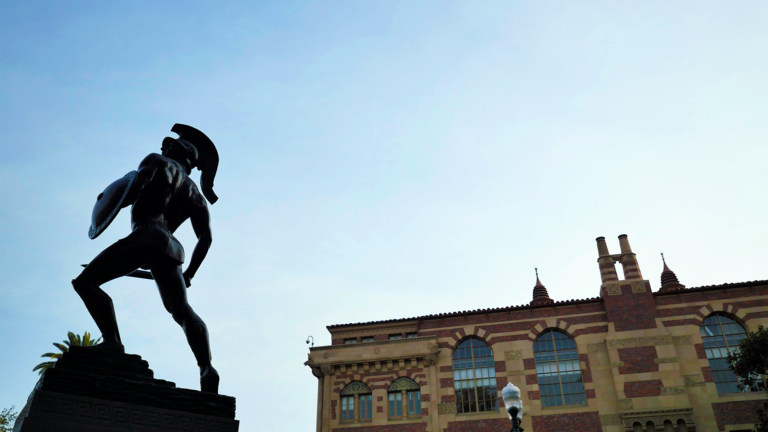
628	260
606	262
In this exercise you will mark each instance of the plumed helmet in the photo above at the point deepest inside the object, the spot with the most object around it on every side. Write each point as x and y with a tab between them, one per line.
201	154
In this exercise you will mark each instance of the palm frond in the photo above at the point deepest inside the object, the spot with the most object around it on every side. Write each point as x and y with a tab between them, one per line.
72	340
43	366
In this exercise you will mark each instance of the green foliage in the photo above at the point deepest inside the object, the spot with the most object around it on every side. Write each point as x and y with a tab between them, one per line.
749	361
73	340
7	417
762	419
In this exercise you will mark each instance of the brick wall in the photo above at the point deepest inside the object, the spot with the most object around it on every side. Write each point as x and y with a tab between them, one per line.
489	425
749	290
700	352
727	413
638	360
413	427
516	315
643	388
631	311
574	422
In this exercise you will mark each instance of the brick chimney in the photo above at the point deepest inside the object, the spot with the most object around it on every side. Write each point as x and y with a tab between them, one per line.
628	260
606	262
629	303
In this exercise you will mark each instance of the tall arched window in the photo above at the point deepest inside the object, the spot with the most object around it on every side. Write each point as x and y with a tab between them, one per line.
721	335
356	402
404	396
559	373
474	377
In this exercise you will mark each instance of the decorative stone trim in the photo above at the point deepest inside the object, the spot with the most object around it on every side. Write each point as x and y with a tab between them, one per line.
515	372
513	355
355	387
613	289
617	364
430	360
610	419
638	287
649	341
693	380
446	408
403	383
672	391
658	417
599	347
626	404
663	360
367	344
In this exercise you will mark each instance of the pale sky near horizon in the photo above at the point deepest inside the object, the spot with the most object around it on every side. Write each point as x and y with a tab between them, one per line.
379	160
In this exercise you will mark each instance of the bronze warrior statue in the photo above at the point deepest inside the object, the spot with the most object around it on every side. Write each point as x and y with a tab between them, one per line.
163	197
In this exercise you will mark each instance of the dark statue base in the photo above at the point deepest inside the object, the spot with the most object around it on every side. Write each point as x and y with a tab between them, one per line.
93	391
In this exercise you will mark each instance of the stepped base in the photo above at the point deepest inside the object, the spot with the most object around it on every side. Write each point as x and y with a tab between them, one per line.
57	412
92	391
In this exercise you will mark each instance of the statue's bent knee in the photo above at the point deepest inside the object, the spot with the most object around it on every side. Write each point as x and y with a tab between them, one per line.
80	285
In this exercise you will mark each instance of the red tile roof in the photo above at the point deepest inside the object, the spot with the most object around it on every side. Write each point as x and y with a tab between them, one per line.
557	303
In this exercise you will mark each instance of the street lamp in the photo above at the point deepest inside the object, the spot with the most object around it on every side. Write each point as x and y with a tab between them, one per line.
511	396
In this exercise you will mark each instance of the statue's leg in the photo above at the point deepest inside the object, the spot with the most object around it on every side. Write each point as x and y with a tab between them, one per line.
170	283
117	260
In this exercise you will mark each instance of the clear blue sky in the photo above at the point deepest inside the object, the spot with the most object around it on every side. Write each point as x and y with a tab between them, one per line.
378	160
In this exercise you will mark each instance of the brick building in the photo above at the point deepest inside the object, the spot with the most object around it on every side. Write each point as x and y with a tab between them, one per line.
628	360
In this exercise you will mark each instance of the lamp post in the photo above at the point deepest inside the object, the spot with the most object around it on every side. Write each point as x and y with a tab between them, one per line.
511	396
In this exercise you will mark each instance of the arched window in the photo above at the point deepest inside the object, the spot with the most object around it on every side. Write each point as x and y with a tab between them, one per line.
404	398
356	402
559	373
721	335
474	377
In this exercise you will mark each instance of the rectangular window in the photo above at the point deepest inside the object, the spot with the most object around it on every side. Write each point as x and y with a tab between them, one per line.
348	408
411	335
366	339
414	403
350	340
366	407
396	404
396	336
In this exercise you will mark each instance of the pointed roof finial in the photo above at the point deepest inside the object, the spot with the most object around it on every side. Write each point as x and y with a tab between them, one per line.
540	295
669	280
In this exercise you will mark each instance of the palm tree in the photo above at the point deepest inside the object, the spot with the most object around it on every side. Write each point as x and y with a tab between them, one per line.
74	340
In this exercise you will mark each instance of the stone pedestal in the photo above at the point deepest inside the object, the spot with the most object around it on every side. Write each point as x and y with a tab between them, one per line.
90	391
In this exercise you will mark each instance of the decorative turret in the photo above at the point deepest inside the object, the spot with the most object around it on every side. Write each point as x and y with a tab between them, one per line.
669	280
540	295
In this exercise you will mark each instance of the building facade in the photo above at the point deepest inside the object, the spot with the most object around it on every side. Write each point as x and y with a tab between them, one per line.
629	360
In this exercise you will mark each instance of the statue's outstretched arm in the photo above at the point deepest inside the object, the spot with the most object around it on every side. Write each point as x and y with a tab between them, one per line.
201	223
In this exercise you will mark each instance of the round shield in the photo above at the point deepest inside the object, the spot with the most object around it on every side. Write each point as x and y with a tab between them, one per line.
109	203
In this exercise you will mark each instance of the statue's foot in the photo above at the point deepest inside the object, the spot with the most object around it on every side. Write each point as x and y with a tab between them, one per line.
108	347
209	380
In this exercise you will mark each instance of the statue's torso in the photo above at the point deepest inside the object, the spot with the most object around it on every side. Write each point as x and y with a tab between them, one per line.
170	197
